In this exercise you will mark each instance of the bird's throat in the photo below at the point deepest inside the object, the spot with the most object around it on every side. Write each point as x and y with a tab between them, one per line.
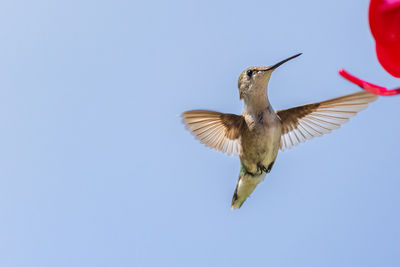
256	103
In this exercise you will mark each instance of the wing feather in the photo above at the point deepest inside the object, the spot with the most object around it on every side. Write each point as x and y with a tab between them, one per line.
308	121
220	131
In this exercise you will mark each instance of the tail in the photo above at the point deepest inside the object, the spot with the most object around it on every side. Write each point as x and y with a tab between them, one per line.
245	186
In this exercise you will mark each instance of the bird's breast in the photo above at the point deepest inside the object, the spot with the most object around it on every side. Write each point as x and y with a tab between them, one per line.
262	139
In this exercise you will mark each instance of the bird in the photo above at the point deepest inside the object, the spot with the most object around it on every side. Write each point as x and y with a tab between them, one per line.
257	135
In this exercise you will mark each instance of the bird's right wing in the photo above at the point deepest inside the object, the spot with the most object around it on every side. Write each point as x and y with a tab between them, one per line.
306	122
220	131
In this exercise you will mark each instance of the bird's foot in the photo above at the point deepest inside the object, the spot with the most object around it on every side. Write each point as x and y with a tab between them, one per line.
267	169
262	168
256	173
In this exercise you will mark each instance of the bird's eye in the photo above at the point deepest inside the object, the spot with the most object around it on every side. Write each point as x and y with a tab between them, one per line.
249	73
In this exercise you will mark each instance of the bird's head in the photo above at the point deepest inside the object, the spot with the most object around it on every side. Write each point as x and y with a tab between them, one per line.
254	80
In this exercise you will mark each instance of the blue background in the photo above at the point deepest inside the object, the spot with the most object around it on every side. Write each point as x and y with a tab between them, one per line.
96	168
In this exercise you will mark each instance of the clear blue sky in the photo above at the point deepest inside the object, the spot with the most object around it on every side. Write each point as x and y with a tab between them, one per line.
96	168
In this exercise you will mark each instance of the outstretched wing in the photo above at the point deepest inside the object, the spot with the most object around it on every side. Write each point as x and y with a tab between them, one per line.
305	122
217	130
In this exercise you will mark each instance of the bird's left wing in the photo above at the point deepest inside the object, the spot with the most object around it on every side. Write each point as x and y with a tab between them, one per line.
305	122
220	131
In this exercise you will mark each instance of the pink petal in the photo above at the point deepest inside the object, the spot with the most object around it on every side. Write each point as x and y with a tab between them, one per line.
370	87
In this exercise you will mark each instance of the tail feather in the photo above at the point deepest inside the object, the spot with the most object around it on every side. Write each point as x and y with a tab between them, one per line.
244	187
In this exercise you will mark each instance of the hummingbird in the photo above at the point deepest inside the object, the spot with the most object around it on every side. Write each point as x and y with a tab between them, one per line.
257	135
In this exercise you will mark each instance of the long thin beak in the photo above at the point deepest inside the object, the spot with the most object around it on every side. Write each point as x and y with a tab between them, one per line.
283	61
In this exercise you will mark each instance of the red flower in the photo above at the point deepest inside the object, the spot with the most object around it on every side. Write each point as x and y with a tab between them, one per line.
384	21
370	87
